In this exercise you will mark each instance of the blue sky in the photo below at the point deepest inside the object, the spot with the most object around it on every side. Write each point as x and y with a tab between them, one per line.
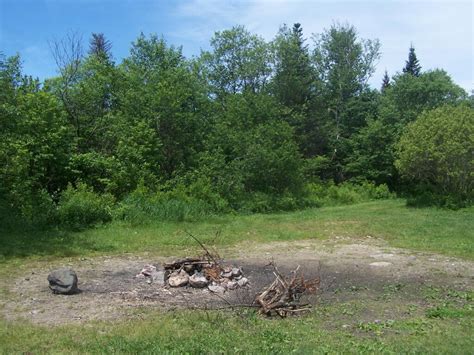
441	31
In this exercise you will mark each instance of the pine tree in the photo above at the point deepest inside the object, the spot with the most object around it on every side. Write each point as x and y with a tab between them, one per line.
385	82
99	45
412	65
294	75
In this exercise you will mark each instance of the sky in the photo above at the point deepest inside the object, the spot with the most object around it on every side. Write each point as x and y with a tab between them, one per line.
440	31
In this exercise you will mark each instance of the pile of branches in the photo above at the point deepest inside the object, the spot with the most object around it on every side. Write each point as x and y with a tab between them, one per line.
283	295
204	271
210	258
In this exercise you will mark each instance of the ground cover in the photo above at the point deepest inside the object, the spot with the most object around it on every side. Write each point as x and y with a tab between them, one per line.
391	281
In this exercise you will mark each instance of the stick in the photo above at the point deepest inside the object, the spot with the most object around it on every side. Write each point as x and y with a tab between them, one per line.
202	246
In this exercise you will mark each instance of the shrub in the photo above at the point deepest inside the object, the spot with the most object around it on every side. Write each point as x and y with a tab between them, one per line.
179	203
81	207
329	194
437	150
39	210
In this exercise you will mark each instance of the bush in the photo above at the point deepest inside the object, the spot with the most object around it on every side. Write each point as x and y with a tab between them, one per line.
81	207
437	151
38	210
259	202
179	203
426	195
329	194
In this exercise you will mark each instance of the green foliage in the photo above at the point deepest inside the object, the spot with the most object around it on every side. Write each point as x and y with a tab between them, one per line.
437	150
343	63
238	63
243	127
448	311
410	95
371	154
162	94
385	82
181	203
79	207
329	194
294	75
318	167
34	148
372	148
263	159
412	65
271	160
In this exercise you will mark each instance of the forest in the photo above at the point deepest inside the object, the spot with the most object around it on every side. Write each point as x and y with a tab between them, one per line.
247	126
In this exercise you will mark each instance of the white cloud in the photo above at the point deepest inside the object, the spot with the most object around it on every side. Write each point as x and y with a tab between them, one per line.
440	30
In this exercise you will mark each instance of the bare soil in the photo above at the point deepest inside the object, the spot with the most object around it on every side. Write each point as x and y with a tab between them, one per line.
350	270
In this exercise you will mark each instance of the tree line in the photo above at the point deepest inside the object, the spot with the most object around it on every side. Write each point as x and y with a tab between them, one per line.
248	123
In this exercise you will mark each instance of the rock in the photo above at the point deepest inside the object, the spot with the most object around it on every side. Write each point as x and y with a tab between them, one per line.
243	282
178	279
148	269
158	277
198	280
216	288
63	281
236	272
226	274
380	264
232	285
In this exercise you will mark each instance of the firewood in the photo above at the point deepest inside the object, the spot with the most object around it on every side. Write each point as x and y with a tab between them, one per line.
282	296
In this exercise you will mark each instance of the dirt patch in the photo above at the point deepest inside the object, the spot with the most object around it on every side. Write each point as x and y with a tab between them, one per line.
348	271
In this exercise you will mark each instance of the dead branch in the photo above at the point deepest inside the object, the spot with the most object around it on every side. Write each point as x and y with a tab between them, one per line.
68	54
209	255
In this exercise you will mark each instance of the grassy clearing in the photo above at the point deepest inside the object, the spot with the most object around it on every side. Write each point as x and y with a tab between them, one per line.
396	319
330	328
427	229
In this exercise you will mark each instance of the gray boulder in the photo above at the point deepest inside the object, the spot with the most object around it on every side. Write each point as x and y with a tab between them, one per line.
63	281
243	282
216	288
178	279
198	280
236	272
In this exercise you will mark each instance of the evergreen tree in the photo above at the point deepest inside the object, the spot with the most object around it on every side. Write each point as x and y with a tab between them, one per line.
294	75
99	45
412	65
385	82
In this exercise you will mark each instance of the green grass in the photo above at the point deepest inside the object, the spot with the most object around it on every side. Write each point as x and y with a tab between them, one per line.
430	319
427	229
246	332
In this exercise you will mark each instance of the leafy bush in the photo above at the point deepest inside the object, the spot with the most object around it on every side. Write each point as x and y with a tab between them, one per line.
81	207
27	210
179	203
39	210
436	151
260	202
428	195
329	194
